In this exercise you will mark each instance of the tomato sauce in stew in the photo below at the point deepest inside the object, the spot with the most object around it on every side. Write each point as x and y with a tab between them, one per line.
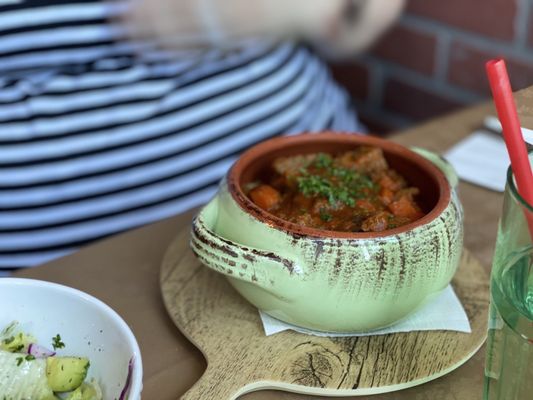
354	191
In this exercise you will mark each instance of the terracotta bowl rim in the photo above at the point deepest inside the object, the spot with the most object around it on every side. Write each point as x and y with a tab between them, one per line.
272	145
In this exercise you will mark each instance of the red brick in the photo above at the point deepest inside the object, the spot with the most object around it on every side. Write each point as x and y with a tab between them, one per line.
409	48
467	69
414	102
353	76
494	18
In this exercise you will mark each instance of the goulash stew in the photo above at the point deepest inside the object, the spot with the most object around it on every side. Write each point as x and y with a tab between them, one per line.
354	191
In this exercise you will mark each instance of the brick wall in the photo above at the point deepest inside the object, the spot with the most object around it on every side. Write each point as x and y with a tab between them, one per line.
432	61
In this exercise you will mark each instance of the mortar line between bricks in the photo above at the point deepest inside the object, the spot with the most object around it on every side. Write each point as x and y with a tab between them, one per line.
442	56
521	24
423	82
478	41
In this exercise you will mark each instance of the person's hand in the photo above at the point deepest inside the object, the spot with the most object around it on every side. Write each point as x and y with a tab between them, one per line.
340	25
360	23
181	23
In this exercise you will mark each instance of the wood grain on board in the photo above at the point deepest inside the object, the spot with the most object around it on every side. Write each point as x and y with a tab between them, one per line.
241	359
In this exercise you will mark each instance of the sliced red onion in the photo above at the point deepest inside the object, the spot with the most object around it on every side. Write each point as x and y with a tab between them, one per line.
128	381
39	351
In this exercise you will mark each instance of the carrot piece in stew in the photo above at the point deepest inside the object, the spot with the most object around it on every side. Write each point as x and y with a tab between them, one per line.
405	207
386	195
265	196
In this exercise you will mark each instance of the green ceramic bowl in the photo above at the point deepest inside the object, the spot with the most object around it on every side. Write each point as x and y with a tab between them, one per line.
326	280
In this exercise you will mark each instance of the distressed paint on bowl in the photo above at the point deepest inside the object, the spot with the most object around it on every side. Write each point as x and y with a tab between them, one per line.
331	281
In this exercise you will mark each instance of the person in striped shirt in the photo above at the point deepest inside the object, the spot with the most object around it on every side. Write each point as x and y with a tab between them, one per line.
114	115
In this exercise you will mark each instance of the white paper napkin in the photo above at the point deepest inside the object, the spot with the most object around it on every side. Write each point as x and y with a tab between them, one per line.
493	123
445	312
482	159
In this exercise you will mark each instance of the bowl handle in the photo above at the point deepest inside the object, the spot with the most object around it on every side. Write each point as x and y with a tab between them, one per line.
441	163
259	267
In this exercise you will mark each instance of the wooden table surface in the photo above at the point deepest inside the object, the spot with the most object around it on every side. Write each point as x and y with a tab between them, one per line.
123	271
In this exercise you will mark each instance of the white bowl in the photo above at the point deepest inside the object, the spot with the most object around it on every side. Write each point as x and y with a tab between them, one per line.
88	327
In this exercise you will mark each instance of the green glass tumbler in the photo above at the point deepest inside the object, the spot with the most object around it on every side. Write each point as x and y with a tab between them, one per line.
509	358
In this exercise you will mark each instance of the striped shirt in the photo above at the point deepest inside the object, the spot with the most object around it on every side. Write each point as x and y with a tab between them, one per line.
99	134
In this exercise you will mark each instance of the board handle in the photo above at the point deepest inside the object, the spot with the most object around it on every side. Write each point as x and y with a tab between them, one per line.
215	385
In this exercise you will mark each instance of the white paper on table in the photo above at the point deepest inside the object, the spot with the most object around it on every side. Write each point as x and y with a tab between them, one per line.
482	159
445	312
494	124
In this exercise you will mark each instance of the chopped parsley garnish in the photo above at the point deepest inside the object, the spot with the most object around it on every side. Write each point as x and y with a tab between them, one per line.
9	340
315	185
335	183
30	357
19	360
324	216
18	348
323	160
57	343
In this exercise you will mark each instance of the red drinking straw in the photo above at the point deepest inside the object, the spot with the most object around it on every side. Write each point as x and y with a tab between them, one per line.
512	133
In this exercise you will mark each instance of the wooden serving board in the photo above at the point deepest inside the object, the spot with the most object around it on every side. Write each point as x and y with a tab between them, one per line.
241	359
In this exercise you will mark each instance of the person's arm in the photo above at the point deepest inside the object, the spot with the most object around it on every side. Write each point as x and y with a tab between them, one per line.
346	25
